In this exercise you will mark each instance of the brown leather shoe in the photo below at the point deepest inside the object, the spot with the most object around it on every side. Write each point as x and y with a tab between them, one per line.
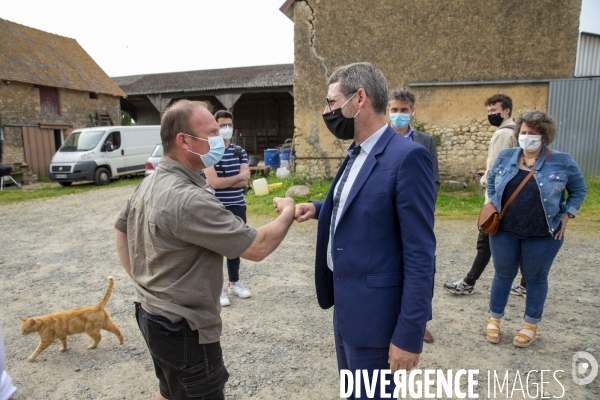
427	338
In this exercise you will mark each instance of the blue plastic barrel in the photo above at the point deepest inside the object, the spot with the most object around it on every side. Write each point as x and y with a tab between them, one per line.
285	155
272	158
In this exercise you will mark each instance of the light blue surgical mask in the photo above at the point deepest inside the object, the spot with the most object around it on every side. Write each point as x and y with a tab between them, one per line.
214	155
399	120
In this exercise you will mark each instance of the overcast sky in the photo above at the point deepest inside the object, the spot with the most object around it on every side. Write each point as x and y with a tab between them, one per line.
130	37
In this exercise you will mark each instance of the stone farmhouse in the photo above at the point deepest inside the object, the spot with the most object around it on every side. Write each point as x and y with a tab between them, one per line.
49	86
452	55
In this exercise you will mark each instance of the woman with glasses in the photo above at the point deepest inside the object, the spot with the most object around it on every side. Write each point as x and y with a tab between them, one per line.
534	224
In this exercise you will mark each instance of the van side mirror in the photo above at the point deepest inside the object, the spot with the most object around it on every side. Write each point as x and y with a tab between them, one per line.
108	146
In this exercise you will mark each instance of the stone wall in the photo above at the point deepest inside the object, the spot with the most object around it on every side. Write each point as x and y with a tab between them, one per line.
458	41
20	104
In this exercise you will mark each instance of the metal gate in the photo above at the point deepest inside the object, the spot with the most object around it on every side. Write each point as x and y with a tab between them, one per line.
575	104
39	146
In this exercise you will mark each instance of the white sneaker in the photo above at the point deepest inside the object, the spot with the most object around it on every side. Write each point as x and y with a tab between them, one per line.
239	291
224	300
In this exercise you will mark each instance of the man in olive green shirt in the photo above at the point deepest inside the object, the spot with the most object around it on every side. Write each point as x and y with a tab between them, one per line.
171	237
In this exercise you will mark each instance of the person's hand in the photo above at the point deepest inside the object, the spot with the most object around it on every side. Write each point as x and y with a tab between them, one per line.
284	203
304	212
563	226
244	173
400	359
480	173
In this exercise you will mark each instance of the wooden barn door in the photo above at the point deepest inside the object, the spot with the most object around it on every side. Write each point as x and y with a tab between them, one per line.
39	146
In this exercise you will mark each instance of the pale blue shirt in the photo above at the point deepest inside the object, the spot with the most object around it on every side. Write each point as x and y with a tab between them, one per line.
365	149
409	135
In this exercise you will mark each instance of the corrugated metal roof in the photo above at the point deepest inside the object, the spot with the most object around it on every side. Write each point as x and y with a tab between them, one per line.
42	58
588	55
207	80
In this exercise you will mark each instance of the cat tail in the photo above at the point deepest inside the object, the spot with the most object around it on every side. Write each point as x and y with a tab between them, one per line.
111	283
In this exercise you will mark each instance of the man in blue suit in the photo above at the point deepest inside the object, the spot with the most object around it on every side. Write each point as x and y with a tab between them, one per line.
375	241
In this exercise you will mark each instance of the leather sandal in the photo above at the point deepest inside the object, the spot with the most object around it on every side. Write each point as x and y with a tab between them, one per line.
528	340
488	331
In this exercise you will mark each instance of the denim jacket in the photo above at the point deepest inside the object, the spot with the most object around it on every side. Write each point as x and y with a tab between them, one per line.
553	176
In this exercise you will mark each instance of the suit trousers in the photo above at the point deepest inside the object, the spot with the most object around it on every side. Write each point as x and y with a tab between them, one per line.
361	358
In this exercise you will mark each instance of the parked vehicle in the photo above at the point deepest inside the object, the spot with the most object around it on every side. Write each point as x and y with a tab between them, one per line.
104	152
154	159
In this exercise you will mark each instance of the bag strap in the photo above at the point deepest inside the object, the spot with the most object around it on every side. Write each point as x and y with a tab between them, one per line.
533	171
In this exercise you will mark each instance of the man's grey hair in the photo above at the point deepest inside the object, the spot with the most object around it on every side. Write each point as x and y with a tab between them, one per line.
403	94
364	76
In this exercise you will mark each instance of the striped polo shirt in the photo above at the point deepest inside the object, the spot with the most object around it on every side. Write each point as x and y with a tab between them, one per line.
229	166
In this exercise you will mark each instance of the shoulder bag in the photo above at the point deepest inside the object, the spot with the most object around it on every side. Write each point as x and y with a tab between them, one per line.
489	219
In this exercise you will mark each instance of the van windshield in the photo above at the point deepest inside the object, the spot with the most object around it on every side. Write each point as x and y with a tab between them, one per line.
82	141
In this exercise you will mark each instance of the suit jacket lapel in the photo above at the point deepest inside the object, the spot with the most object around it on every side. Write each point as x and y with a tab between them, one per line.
367	167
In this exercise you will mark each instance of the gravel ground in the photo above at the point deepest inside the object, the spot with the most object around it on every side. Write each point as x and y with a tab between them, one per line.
57	253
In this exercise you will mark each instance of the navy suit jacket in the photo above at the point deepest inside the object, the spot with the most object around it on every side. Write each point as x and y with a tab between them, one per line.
383	249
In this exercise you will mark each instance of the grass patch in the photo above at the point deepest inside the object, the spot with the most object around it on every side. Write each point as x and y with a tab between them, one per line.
451	204
263	205
458	204
46	190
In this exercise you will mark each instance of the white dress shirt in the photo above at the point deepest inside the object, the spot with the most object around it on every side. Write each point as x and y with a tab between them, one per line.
366	148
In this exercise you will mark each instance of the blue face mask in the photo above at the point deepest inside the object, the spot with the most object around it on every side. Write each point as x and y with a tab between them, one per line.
399	120
214	155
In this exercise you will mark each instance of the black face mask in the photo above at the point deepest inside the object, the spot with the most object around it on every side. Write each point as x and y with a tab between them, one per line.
342	127
495	119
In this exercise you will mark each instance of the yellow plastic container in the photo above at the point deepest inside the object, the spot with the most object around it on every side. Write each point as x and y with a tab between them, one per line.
273	186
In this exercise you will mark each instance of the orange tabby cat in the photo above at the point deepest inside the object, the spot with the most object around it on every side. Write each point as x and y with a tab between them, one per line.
59	325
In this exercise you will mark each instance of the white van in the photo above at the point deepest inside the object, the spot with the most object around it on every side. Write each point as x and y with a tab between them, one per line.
104	152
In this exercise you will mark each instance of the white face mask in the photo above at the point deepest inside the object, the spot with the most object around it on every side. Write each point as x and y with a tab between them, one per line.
530	142
226	132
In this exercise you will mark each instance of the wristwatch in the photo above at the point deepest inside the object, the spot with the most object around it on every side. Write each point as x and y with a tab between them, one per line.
570	215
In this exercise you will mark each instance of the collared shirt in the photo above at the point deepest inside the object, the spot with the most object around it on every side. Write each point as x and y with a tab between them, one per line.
366	148
409	134
177	235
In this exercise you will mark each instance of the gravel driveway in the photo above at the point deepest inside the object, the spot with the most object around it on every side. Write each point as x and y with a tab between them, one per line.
56	255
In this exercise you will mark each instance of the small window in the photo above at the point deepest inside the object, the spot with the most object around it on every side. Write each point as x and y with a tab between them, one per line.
115	139
93	95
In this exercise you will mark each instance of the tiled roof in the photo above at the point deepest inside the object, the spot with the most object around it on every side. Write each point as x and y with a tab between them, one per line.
33	56
210	79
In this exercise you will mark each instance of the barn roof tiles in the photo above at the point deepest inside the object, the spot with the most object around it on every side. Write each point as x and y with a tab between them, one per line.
280	75
33	56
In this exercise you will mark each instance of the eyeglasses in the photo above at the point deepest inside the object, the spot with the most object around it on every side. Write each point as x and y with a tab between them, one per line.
226	126
335	97
199	138
532	115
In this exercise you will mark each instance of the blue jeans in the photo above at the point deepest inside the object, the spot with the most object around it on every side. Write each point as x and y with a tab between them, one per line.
537	256
233	265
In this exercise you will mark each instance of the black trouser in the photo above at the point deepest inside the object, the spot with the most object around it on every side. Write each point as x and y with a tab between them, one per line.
233	265
482	259
185	368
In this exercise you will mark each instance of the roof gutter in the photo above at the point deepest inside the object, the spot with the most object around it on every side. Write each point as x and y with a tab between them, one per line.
512	82
287	9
